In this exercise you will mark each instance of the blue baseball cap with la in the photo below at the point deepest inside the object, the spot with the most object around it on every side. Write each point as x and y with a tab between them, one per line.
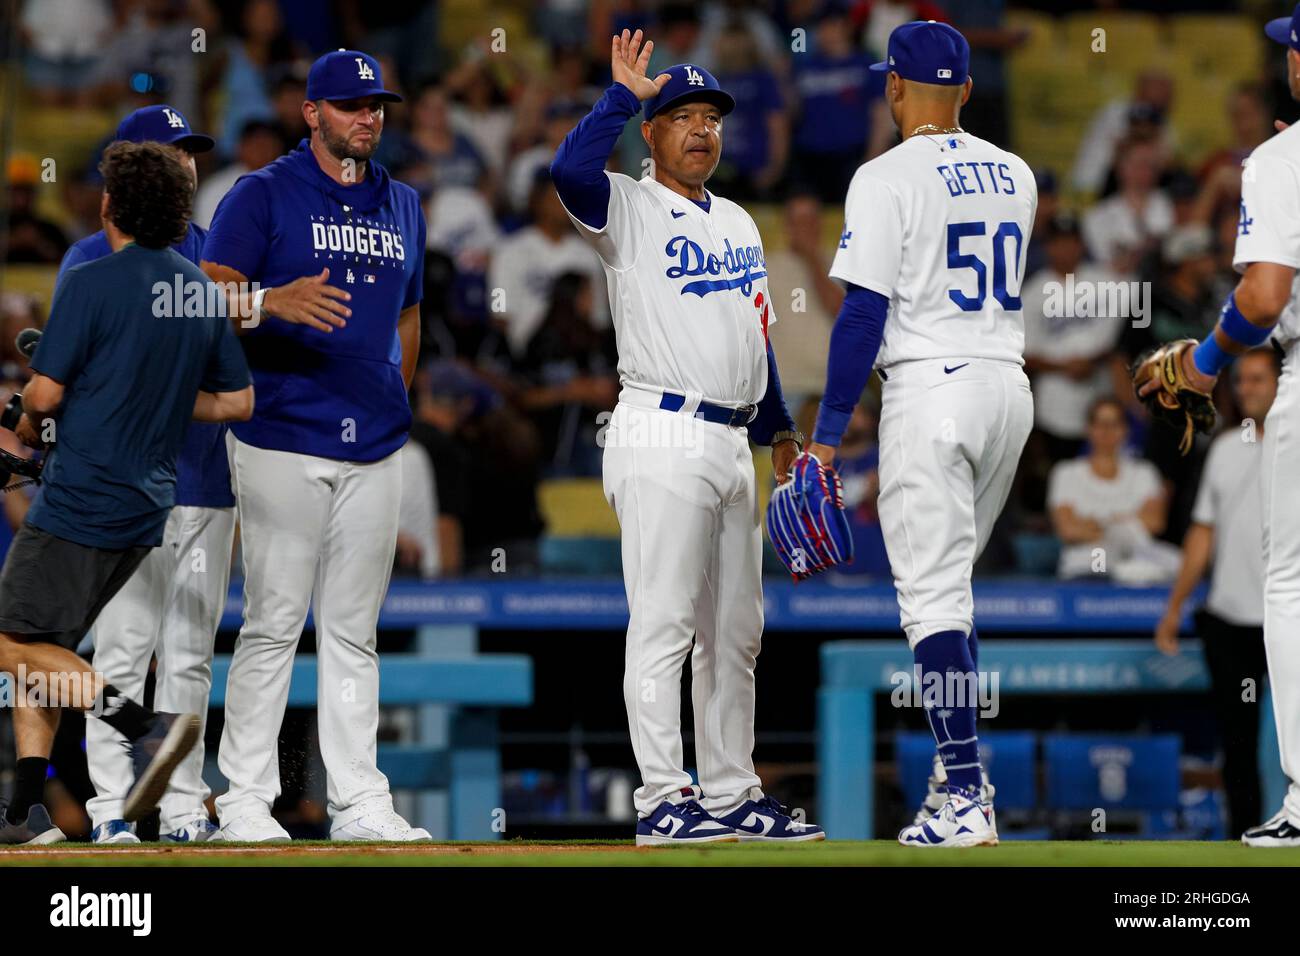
1285	29
689	82
163	124
926	51
347	75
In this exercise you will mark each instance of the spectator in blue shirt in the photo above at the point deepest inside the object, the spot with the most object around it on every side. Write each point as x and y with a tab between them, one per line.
758	129
838	96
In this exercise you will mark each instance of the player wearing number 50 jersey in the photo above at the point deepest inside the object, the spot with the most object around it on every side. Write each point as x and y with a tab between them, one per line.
932	253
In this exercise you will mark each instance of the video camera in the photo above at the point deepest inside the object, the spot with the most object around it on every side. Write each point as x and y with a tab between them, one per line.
10	464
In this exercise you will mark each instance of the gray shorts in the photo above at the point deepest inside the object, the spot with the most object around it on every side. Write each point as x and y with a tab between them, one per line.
52	590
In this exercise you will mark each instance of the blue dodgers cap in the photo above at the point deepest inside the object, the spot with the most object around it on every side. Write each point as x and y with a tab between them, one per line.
927	51
163	124
1285	29
347	75
689	82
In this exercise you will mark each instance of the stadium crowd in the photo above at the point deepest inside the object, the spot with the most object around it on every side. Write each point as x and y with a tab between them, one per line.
1132	246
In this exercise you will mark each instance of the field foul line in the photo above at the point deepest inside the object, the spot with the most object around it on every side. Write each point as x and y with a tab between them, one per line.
350	848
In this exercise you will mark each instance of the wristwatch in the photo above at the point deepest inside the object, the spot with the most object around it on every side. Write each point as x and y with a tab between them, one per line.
258	298
795	436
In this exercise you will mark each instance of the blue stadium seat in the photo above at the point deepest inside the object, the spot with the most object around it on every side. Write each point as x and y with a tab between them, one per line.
583	556
1112	771
1008	757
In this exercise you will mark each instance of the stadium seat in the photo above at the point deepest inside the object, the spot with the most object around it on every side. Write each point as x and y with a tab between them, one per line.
32	280
1044	34
576	508
1112	771
584	556
1129	37
1227	47
1008	758
1036	554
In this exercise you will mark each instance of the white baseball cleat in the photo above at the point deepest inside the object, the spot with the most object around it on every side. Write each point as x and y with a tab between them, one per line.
253	828
936	794
963	821
380	825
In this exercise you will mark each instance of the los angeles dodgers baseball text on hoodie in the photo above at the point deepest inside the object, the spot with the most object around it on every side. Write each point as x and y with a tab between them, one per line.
337	394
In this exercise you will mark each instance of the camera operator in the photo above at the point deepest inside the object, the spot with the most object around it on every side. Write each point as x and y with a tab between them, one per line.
120	385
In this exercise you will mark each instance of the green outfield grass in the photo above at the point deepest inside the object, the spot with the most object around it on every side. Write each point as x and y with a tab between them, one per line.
883	853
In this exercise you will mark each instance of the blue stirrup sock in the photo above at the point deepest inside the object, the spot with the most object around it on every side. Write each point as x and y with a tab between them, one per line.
949	694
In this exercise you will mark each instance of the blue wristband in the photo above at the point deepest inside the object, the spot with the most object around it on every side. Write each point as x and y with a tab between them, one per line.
1240	329
1208	358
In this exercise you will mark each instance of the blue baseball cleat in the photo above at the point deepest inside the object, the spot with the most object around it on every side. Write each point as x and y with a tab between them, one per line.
114	831
767	821
198	829
682	824
966	820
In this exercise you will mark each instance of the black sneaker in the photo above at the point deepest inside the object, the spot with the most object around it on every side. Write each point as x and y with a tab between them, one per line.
1279	831
38	829
157	755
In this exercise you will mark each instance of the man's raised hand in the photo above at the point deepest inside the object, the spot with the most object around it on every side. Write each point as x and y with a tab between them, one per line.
629	68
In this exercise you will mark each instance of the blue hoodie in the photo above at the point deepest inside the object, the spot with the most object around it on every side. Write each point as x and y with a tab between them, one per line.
337	394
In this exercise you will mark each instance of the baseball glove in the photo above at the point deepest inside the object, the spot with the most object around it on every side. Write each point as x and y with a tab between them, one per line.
1174	402
806	519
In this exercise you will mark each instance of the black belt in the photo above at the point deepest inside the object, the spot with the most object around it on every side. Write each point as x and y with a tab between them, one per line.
718	414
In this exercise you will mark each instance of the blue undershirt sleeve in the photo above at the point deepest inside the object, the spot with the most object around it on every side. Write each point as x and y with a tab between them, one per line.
773	416
855	340
579	167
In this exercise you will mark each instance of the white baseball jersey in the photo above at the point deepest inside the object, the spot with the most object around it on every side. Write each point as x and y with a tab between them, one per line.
687	290
1269	227
1228	500
964	209
1269	231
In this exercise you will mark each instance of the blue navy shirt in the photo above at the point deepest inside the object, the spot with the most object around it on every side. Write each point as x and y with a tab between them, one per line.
337	394
202	469
836	96
130	379
757	93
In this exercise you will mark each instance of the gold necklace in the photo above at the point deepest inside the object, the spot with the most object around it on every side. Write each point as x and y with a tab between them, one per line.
930	127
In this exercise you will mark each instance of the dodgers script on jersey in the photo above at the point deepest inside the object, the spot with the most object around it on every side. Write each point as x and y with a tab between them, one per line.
964	209
687	289
1269	227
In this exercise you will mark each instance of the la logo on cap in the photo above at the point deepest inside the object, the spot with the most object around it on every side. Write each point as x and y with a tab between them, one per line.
174	120
363	70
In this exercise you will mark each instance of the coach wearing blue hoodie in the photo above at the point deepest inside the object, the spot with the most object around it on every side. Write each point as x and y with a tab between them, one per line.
336	248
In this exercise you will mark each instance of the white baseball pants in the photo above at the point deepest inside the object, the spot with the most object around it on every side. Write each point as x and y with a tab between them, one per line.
950	443
1281	514
170	607
321	531
683	490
